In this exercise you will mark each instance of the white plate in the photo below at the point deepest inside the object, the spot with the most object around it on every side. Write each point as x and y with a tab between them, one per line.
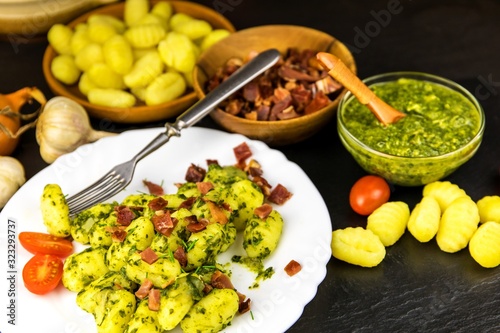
276	304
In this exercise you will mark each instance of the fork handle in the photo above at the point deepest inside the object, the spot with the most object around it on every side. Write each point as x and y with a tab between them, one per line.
237	80
203	107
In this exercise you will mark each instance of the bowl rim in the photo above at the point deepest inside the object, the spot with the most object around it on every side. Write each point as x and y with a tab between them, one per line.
342	129
117	114
250	122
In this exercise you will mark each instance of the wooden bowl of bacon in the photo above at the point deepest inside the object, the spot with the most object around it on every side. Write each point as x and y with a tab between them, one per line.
288	103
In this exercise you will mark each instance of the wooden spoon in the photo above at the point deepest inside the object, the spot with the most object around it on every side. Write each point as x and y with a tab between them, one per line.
385	113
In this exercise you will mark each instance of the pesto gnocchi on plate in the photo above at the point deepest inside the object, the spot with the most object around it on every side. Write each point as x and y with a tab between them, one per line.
278	296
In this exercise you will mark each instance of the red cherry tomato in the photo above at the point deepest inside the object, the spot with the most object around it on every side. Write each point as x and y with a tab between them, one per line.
369	193
42	273
38	242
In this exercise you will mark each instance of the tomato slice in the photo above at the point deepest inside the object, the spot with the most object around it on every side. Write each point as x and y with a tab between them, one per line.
38	242
368	193
42	273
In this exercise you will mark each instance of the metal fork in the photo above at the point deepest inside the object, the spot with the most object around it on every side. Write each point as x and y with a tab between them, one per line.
121	175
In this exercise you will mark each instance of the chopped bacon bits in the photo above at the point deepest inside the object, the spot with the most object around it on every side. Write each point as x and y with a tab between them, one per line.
149	256
181	256
195	173
242	152
210	162
263	184
279	195
263	211
221	281
188	203
158	203
204	187
244	306
153	188
163	222
144	289
292	268
118	235
154	299
217	213
295	86
195	225
124	215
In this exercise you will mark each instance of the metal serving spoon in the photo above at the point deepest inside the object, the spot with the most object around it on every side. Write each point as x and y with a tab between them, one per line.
385	113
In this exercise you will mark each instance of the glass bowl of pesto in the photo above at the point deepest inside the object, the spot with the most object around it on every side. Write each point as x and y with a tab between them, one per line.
443	128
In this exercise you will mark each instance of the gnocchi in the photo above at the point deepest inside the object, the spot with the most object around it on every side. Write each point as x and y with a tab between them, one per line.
167	245
489	208
484	245
424	219
357	246
107	52
458	224
444	192
389	221
55	211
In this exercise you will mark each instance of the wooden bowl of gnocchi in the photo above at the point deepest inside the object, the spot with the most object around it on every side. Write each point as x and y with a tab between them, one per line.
132	64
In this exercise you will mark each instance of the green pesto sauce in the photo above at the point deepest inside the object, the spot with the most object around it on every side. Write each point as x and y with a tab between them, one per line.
438	120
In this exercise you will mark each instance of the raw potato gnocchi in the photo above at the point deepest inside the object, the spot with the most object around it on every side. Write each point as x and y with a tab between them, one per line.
489	208
389	221
444	192
106	52
458	224
484	246
424	219
357	246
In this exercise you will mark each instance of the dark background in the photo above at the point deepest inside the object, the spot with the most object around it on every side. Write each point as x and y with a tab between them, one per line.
417	288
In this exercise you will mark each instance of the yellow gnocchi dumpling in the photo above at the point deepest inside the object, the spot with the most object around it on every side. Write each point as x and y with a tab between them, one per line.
145	35
458	223
59	37
389	221
424	219
357	246
134	10
489	208
444	192
484	246
118	54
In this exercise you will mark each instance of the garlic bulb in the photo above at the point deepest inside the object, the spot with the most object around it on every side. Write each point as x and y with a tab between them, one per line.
11	178
63	126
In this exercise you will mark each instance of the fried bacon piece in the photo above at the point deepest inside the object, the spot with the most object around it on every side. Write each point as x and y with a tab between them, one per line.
154	299
279	195
204	187
263	211
292	268
195	173
188	203
158	204
195	225
163	222
221	281
153	188
144	289
242	152
149	256
124	215
181	256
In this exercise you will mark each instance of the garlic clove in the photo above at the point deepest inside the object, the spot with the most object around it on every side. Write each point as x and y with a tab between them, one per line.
63	126
12	177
